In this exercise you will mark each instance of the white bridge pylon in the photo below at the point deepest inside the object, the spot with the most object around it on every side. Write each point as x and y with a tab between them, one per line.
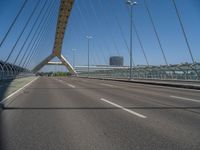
64	13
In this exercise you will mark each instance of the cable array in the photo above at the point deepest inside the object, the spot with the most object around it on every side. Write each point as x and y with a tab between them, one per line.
43	14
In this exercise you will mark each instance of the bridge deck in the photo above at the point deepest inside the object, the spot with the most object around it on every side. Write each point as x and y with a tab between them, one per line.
74	113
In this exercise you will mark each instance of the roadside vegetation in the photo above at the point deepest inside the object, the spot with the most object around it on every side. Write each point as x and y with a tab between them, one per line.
51	74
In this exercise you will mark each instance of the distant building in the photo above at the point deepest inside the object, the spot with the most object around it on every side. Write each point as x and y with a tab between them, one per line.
116	61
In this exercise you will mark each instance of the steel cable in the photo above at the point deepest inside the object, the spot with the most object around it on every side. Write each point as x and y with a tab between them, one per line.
13	23
183	30
39	33
22	32
155	31
28	36
36	31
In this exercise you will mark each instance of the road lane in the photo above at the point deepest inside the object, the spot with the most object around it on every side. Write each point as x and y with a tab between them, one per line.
152	88
175	118
128	96
52	115
163	95
160	110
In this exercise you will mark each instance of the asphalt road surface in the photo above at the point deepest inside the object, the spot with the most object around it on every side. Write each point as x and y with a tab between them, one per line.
89	114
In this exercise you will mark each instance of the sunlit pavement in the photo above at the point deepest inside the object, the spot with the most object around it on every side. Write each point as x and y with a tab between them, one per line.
74	113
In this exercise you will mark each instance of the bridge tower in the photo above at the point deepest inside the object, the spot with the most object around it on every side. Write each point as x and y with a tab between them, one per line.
64	13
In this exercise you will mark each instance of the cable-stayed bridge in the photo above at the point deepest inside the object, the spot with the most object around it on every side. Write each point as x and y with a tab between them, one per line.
25	48
146	98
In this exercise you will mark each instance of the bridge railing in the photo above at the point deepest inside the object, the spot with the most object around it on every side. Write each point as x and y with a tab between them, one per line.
172	72
9	71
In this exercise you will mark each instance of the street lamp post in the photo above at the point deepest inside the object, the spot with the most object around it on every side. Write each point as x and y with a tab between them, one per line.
131	3
88	38
73	50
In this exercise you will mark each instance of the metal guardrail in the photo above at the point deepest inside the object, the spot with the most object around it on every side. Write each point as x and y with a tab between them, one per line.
172	72
9	71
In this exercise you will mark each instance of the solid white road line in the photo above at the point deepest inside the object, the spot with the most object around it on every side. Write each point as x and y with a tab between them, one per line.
125	109
70	85
109	85
18	90
183	98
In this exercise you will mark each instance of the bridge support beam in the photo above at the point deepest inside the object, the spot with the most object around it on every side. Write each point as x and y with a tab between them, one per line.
49	58
64	13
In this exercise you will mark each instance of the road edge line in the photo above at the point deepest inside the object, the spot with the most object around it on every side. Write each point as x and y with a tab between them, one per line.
184	98
17	91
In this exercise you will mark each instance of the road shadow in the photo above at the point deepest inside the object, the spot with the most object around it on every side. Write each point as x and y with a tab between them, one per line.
94	108
56	88
2	132
4	85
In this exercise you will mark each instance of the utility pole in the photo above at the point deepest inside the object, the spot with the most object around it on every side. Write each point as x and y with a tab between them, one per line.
88	38
131	3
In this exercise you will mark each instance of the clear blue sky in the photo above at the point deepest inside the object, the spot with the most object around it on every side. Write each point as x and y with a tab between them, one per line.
98	18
